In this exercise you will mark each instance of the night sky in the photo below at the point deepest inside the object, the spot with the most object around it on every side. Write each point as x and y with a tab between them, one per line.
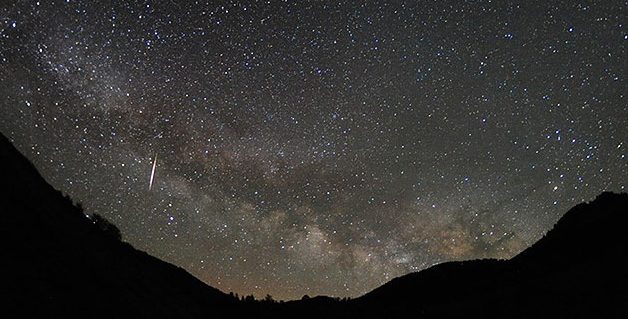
307	147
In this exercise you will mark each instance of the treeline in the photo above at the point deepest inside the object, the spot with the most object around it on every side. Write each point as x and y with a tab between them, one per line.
269	298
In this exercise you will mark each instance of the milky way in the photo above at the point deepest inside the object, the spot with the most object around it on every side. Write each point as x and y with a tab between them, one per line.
320	147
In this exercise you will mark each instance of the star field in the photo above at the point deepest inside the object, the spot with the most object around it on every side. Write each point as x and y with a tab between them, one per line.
311	147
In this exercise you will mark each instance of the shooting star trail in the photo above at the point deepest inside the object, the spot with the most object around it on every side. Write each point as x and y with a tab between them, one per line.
152	174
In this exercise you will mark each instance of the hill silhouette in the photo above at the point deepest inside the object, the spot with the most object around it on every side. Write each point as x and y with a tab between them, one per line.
59	262
578	269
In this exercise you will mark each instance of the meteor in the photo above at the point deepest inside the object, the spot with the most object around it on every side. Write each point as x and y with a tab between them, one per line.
152	174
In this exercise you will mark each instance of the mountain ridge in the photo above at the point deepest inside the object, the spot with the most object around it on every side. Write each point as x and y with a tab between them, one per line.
48	239
562	251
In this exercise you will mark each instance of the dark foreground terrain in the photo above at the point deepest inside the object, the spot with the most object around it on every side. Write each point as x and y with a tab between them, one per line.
57	262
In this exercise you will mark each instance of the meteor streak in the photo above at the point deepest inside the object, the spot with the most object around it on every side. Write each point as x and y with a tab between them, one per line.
152	174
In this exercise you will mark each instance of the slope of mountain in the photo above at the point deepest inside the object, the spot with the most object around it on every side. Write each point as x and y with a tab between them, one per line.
577	269
56	262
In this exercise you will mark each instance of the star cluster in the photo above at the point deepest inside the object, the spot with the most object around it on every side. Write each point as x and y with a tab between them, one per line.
313	147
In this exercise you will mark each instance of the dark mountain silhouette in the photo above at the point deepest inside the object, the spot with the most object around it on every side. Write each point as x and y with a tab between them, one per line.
58	262
577	269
